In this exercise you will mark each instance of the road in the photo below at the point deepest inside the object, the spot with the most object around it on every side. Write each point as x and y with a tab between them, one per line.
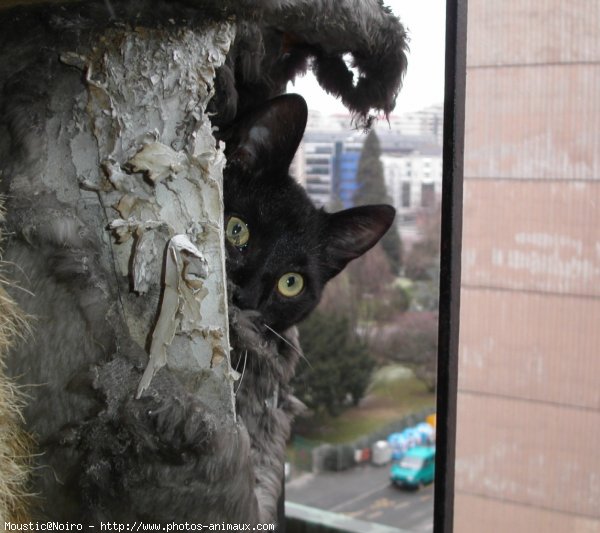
365	492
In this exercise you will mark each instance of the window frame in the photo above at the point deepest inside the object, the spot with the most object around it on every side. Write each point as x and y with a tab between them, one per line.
450	262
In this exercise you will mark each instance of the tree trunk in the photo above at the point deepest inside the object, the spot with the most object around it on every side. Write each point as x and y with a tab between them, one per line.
114	197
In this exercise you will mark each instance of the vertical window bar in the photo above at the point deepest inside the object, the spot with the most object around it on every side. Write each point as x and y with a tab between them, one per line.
454	117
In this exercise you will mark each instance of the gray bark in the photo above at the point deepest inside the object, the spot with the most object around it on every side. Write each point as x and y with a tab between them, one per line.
115	219
130	155
145	119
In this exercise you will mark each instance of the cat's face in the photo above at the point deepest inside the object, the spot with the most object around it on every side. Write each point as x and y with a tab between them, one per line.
281	250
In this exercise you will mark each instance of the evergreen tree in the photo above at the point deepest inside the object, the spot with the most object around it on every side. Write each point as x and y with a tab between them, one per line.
371	190
339	366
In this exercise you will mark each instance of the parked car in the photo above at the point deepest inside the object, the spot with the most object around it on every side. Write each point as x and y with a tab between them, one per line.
415	469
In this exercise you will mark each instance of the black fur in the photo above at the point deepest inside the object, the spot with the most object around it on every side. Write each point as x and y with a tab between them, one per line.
282	40
287	233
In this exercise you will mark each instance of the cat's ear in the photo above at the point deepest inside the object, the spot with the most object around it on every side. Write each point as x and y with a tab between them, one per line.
354	231
268	137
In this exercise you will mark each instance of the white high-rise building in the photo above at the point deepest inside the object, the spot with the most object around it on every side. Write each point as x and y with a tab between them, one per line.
318	159
414	183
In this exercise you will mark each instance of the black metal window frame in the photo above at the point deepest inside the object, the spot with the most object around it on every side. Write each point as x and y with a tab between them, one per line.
451	237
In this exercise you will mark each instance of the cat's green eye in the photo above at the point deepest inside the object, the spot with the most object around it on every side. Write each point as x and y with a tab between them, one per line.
290	284
237	232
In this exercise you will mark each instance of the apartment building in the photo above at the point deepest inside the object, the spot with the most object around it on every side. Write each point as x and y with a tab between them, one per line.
327	162
529	369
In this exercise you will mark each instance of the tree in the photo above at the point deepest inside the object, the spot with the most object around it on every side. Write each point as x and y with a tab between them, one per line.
374	294
338	364
372	272
372	190
112	242
423	262
423	259
412	341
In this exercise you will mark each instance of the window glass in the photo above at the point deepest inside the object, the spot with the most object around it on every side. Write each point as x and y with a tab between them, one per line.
370	373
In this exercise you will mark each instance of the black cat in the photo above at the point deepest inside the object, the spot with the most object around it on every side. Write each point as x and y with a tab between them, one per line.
281	249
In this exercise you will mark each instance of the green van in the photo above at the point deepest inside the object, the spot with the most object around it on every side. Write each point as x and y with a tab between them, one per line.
416	468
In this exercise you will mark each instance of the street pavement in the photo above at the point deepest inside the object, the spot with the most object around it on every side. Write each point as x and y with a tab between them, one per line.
365	493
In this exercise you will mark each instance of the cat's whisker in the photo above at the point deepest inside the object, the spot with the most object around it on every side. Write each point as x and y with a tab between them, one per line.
299	352
243	371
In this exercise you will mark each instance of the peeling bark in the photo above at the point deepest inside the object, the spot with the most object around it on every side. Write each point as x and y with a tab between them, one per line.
145	118
114	197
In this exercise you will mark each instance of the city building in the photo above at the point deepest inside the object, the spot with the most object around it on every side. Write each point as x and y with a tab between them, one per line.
326	155
414	184
428	121
318	167
528	425
345	169
327	161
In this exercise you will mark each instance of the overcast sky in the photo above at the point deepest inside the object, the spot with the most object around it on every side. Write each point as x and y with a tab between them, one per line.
424	80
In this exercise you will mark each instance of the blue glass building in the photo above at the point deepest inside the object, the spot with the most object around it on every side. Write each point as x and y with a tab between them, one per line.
345	168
